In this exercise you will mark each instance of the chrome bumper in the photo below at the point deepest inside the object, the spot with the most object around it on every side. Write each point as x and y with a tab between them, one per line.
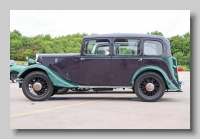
18	80
181	83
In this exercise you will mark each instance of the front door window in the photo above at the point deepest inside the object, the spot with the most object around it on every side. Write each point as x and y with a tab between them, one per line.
97	47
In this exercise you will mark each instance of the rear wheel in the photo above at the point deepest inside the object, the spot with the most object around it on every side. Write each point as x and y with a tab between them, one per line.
149	86
37	86
13	76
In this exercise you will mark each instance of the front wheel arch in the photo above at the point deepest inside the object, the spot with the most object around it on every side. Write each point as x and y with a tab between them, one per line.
31	70
56	79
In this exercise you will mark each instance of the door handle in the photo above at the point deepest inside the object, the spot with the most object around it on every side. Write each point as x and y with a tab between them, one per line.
82	58
140	59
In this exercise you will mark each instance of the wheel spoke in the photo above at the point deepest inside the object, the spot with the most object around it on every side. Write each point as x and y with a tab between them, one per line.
44	86
149	80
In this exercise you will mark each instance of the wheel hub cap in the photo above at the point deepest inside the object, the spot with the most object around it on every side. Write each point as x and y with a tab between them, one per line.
37	86
149	87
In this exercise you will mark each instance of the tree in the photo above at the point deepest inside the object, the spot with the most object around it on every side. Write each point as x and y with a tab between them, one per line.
28	52
155	33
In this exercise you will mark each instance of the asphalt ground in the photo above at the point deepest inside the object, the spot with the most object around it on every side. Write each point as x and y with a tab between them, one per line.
119	109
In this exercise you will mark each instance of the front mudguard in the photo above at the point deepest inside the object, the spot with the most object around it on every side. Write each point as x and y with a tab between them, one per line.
56	79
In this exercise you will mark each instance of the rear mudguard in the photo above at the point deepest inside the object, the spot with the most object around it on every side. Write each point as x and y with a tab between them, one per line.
56	79
169	83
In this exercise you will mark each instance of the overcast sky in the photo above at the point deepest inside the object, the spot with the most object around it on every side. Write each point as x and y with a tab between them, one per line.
64	22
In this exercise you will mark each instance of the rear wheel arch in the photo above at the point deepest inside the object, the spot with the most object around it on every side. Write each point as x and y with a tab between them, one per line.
152	70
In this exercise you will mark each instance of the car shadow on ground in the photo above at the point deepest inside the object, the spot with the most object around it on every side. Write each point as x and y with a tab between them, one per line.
118	98
93	98
127	98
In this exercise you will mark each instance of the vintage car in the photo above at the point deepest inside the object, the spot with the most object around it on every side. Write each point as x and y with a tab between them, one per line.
14	71
141	62
12	63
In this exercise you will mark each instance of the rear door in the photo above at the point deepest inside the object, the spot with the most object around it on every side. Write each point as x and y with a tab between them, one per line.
126	59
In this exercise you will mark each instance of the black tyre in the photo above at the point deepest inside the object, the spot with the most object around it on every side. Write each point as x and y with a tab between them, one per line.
13	76
149	86
62	91
59	91
37	86
54	91
133	90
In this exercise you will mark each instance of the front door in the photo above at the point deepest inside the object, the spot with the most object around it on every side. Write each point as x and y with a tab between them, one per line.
126	59
95	65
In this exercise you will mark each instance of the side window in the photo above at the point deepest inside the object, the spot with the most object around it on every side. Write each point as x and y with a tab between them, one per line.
97	47
152	48
126	47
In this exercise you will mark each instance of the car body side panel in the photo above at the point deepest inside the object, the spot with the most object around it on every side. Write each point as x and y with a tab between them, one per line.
56	79
74	74
95	71
123	68
66	65
166	64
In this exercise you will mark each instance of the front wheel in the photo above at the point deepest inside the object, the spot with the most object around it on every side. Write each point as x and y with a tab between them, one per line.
149	86
37	86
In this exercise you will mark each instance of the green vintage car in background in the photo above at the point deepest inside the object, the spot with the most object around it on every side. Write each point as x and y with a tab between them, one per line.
14	70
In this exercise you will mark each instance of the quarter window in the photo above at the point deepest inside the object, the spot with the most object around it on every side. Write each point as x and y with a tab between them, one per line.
126	47
152	48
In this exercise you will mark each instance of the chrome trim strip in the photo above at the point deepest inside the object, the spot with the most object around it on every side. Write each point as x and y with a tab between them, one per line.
83	86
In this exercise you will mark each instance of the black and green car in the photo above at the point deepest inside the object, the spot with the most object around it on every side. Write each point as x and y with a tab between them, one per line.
141	62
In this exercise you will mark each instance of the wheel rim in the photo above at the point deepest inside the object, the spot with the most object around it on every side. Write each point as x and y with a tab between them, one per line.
149	87
37	86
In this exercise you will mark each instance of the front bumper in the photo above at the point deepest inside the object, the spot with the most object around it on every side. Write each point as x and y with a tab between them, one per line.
19	81
181	83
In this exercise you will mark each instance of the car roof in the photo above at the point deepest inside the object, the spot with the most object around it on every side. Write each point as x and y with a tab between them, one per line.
124	35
